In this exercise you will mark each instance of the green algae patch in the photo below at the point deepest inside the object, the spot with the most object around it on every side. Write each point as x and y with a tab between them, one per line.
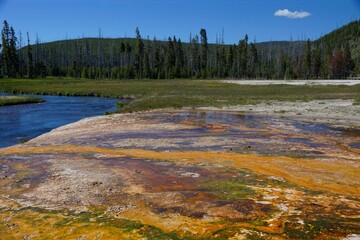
228	189
314	228
46	224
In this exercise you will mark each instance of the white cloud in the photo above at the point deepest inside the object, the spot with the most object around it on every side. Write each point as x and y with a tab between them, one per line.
290	14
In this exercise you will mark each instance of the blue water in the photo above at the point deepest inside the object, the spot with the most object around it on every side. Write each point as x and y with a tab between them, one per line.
24	122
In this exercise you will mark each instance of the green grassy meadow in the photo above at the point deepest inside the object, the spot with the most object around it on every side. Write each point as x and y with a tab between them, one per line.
15	100
176	93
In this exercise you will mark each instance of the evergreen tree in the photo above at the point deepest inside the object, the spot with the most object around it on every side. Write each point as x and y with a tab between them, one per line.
254	59
139	52
215	71
282	65
128	54
244	57
156	59
204	52
316	64
336	65
100	51
194	64
179	63
327	59
307	60
230	61
21	56
122	47
297	67
147	69
114	73
5	54
30	63
10	59
170	59
145	65
222	62
1	63
348	62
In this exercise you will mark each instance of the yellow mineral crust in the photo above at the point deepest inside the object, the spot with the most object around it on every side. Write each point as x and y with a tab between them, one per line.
335	176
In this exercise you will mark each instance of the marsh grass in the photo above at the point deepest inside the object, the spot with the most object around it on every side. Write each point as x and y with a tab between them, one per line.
15	100
177	93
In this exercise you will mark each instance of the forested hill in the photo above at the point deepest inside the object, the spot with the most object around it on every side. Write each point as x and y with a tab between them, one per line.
349	33
116	44
336	55
110	47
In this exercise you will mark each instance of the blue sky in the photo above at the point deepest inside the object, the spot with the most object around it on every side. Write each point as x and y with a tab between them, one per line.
57	19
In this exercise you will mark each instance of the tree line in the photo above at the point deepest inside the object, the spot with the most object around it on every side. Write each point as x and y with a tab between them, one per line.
100	58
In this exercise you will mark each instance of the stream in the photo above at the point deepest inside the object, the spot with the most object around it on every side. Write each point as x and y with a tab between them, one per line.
20	123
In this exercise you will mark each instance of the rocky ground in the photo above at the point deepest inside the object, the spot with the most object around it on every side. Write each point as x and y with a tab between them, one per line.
333	82
339	112
186	174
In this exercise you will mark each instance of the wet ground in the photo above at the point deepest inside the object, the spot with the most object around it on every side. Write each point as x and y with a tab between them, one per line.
183	174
